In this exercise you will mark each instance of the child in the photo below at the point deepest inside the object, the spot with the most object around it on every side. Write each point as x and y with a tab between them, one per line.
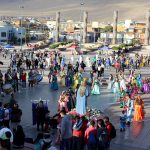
123	121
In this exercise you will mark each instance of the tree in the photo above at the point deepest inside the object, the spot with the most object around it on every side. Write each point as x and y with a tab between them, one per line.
13	40
115	48
122	46
107	29
28	37
136	42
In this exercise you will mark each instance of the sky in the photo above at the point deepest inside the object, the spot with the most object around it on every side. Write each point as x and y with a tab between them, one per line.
99	10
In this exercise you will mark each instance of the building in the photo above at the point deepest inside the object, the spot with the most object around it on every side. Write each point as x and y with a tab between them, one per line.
8	31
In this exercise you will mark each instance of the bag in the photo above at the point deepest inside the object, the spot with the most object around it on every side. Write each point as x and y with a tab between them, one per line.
2	114
113	132
103	138
92	139
78	125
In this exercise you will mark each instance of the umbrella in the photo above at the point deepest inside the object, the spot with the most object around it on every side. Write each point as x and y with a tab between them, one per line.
1	63
8	46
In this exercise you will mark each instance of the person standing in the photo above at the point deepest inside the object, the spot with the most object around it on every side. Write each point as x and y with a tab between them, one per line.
82	65
95	87
91	136
6	115
6	137
110	129
54	83
40	115
139	109
23	79
102	135
82	93
19	137
15	116
2	114
66	131
1	80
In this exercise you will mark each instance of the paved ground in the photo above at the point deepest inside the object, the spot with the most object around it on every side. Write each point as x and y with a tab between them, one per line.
137	137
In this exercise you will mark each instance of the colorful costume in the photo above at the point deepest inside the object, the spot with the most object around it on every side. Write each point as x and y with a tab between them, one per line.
76	81
123	85
96	88
82	93
138	110
146	88
54	84
62	78
110	84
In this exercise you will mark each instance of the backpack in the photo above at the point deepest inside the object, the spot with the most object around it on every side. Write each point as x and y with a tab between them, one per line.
78	125
92	139
113	132
103	138
2	114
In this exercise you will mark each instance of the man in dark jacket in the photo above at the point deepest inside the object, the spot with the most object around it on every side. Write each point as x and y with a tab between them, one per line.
40	115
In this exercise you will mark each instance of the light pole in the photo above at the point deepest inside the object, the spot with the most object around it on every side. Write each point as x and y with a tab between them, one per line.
22	7
81	12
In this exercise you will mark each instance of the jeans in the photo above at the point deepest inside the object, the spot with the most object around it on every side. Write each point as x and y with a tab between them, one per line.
65	144
24	84
91	146
77	143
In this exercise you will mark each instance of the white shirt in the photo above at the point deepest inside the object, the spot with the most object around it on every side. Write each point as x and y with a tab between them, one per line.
2	134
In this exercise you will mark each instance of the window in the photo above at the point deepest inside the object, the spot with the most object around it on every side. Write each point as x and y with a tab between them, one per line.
3	41
3	34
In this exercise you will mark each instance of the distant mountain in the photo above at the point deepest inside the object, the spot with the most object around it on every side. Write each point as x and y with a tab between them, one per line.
101	10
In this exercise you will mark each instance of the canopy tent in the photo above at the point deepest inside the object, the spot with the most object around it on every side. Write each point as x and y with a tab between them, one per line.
8	46
105	48
74	46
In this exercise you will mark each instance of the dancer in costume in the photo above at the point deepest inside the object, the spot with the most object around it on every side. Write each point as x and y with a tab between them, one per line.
146	88
63	99
110	83
96	87
116	89
82	94
54	84
123	85
62	77
76	81
139	80
130	107
139	109
80	77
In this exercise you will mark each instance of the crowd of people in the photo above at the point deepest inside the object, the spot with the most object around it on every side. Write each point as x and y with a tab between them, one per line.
76	129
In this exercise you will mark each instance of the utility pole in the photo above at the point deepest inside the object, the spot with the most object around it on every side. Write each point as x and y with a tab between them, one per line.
147	29
57	26
85	18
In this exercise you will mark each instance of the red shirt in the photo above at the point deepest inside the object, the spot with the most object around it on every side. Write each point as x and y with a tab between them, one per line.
23	77
80	133
109	128
88	131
